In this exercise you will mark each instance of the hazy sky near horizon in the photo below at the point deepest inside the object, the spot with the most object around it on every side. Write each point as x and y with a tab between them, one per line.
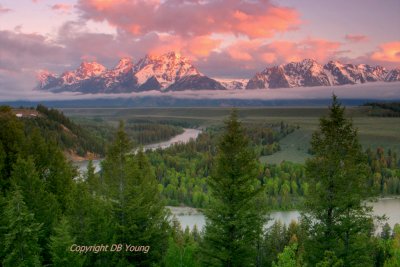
223	38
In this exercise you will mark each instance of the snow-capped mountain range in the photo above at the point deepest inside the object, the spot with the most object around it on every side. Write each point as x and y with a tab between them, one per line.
310	73
170	71
173	72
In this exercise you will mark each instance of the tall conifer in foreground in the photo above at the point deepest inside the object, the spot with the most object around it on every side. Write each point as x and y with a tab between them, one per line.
236	215
140	217
338	221
21	246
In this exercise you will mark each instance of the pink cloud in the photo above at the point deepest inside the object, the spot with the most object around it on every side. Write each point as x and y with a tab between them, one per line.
388	52
4	9
356	38
61	7
284	51
195	47
254	19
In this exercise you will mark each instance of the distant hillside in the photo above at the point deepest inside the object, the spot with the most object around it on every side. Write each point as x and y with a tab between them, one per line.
384	109
55	126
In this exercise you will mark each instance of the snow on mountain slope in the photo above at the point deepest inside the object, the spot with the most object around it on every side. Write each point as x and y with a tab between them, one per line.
150	73
174	72
233	84
309	73
166	69
393	75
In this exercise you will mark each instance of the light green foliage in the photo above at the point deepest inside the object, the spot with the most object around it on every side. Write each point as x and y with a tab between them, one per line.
394	260
288	257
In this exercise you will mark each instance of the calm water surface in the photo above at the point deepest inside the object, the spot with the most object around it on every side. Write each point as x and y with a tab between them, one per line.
388	207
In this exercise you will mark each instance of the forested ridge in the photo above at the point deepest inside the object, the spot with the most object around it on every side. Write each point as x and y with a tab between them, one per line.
46	207
384	109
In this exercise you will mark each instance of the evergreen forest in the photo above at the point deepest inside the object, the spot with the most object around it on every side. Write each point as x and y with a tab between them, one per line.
53	215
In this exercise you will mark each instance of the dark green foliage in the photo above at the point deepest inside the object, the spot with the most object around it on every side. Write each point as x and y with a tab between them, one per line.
236	215
138	209
123	204
11	144
336	217
384	109
59	246
140	131
90	218
277	237
40	202
21	246
54	125
147	133
385	167
182	247
330	260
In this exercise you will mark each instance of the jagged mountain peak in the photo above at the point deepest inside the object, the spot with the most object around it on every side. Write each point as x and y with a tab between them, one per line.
171	55
43	74
153	72
164	69
45	78
124	62
309	72
90	69
393	75
171	58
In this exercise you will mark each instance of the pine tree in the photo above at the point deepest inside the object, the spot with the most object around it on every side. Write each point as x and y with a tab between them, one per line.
146	214
335	214
236	215
91	222
59	175
38	201
12	142
138	208
60	243
22	233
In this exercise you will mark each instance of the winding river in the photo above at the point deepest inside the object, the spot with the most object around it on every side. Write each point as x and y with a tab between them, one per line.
190	217
180	138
